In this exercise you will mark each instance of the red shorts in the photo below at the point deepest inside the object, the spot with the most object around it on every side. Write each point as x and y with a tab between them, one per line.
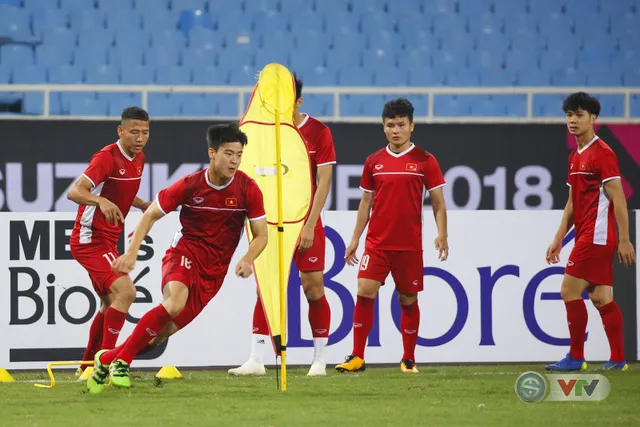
593	263
177	267
406	268
313	258
96	258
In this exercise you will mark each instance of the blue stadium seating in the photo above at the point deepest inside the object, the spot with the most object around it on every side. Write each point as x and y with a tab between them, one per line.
329	42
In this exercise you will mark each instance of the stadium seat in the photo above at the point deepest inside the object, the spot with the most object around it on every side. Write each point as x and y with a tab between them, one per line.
128	54
102	75
48	18
119	4
341	23
343	58
158	57
149	5
173	75
14	23
123	19
611	105
5	73
226	104
320	76
87	20
427	77
117	101
267	6
65	74
375	59
163	105
270	22
390	76
86	105
135	74
350	105
197	105
194	57
498	78
463	77
190	19
29	74
635	106
569	77
205	39
33	103
485	106
91	55
243	76
16	55
355	76
317	105
210	75
548	105
450	106
188	4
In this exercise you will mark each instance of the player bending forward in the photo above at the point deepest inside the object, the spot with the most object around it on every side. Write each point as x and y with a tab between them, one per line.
596	201
394	179
309	257
105	193
215	203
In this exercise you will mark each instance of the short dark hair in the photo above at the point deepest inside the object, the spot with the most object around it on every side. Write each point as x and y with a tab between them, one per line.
581	100
299	85
219	134
134	113
400	107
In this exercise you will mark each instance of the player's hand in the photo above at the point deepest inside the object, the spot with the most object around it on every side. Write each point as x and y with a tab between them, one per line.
350	253
626	253
244	269
442	246
553	252
306	238
111	212
125	263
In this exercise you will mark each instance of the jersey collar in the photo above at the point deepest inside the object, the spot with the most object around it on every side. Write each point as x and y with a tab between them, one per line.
124	153
411	147
216	187
306	118
595	138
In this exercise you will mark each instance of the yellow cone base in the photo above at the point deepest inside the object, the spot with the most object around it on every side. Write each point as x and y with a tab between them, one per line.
169	373
5	377
86	374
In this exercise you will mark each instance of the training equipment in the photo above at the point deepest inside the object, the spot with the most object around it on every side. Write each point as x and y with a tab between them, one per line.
169	373
52	379
5	377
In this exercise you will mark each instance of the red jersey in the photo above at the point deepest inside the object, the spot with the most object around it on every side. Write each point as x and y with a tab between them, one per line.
115	176
398	183
321	150
589	169
212	218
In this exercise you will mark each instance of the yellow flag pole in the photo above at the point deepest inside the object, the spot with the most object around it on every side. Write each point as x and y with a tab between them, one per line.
283	293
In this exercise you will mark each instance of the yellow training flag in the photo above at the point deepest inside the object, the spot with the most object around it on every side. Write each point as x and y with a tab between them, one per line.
268	123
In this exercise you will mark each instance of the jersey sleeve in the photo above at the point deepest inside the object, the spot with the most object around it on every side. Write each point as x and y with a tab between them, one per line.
173	196
100	168
255	202
325	151
433	177
366	182
569	167
607	166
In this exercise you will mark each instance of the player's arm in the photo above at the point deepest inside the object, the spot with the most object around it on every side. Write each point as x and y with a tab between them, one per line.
141	204
553	251
440	214
364	211
256	246
126	262
615	191
80	193
325	172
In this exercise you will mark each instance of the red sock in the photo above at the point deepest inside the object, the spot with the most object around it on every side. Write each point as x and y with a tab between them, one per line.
260	319
612	321
577	319
362	323
409	324
95	338
320	317
148	327
113	323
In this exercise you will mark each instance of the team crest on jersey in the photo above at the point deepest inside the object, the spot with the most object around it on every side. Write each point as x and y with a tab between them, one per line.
378	167
198	200
411	166
122	171
139	170
231	202
582	166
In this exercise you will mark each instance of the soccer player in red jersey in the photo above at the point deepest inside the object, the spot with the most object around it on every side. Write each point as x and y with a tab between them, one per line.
596	202
394	181
310	256
215	204
105	192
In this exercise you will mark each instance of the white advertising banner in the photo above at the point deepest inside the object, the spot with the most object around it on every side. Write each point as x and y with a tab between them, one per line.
494	300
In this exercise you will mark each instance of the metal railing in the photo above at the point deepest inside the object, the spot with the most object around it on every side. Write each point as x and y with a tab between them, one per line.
336	93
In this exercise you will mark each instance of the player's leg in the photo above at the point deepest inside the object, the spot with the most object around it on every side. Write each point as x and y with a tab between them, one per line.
175	296
95	334
319	318
407	271
602	298
260	340
362	323
122	294
577	317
